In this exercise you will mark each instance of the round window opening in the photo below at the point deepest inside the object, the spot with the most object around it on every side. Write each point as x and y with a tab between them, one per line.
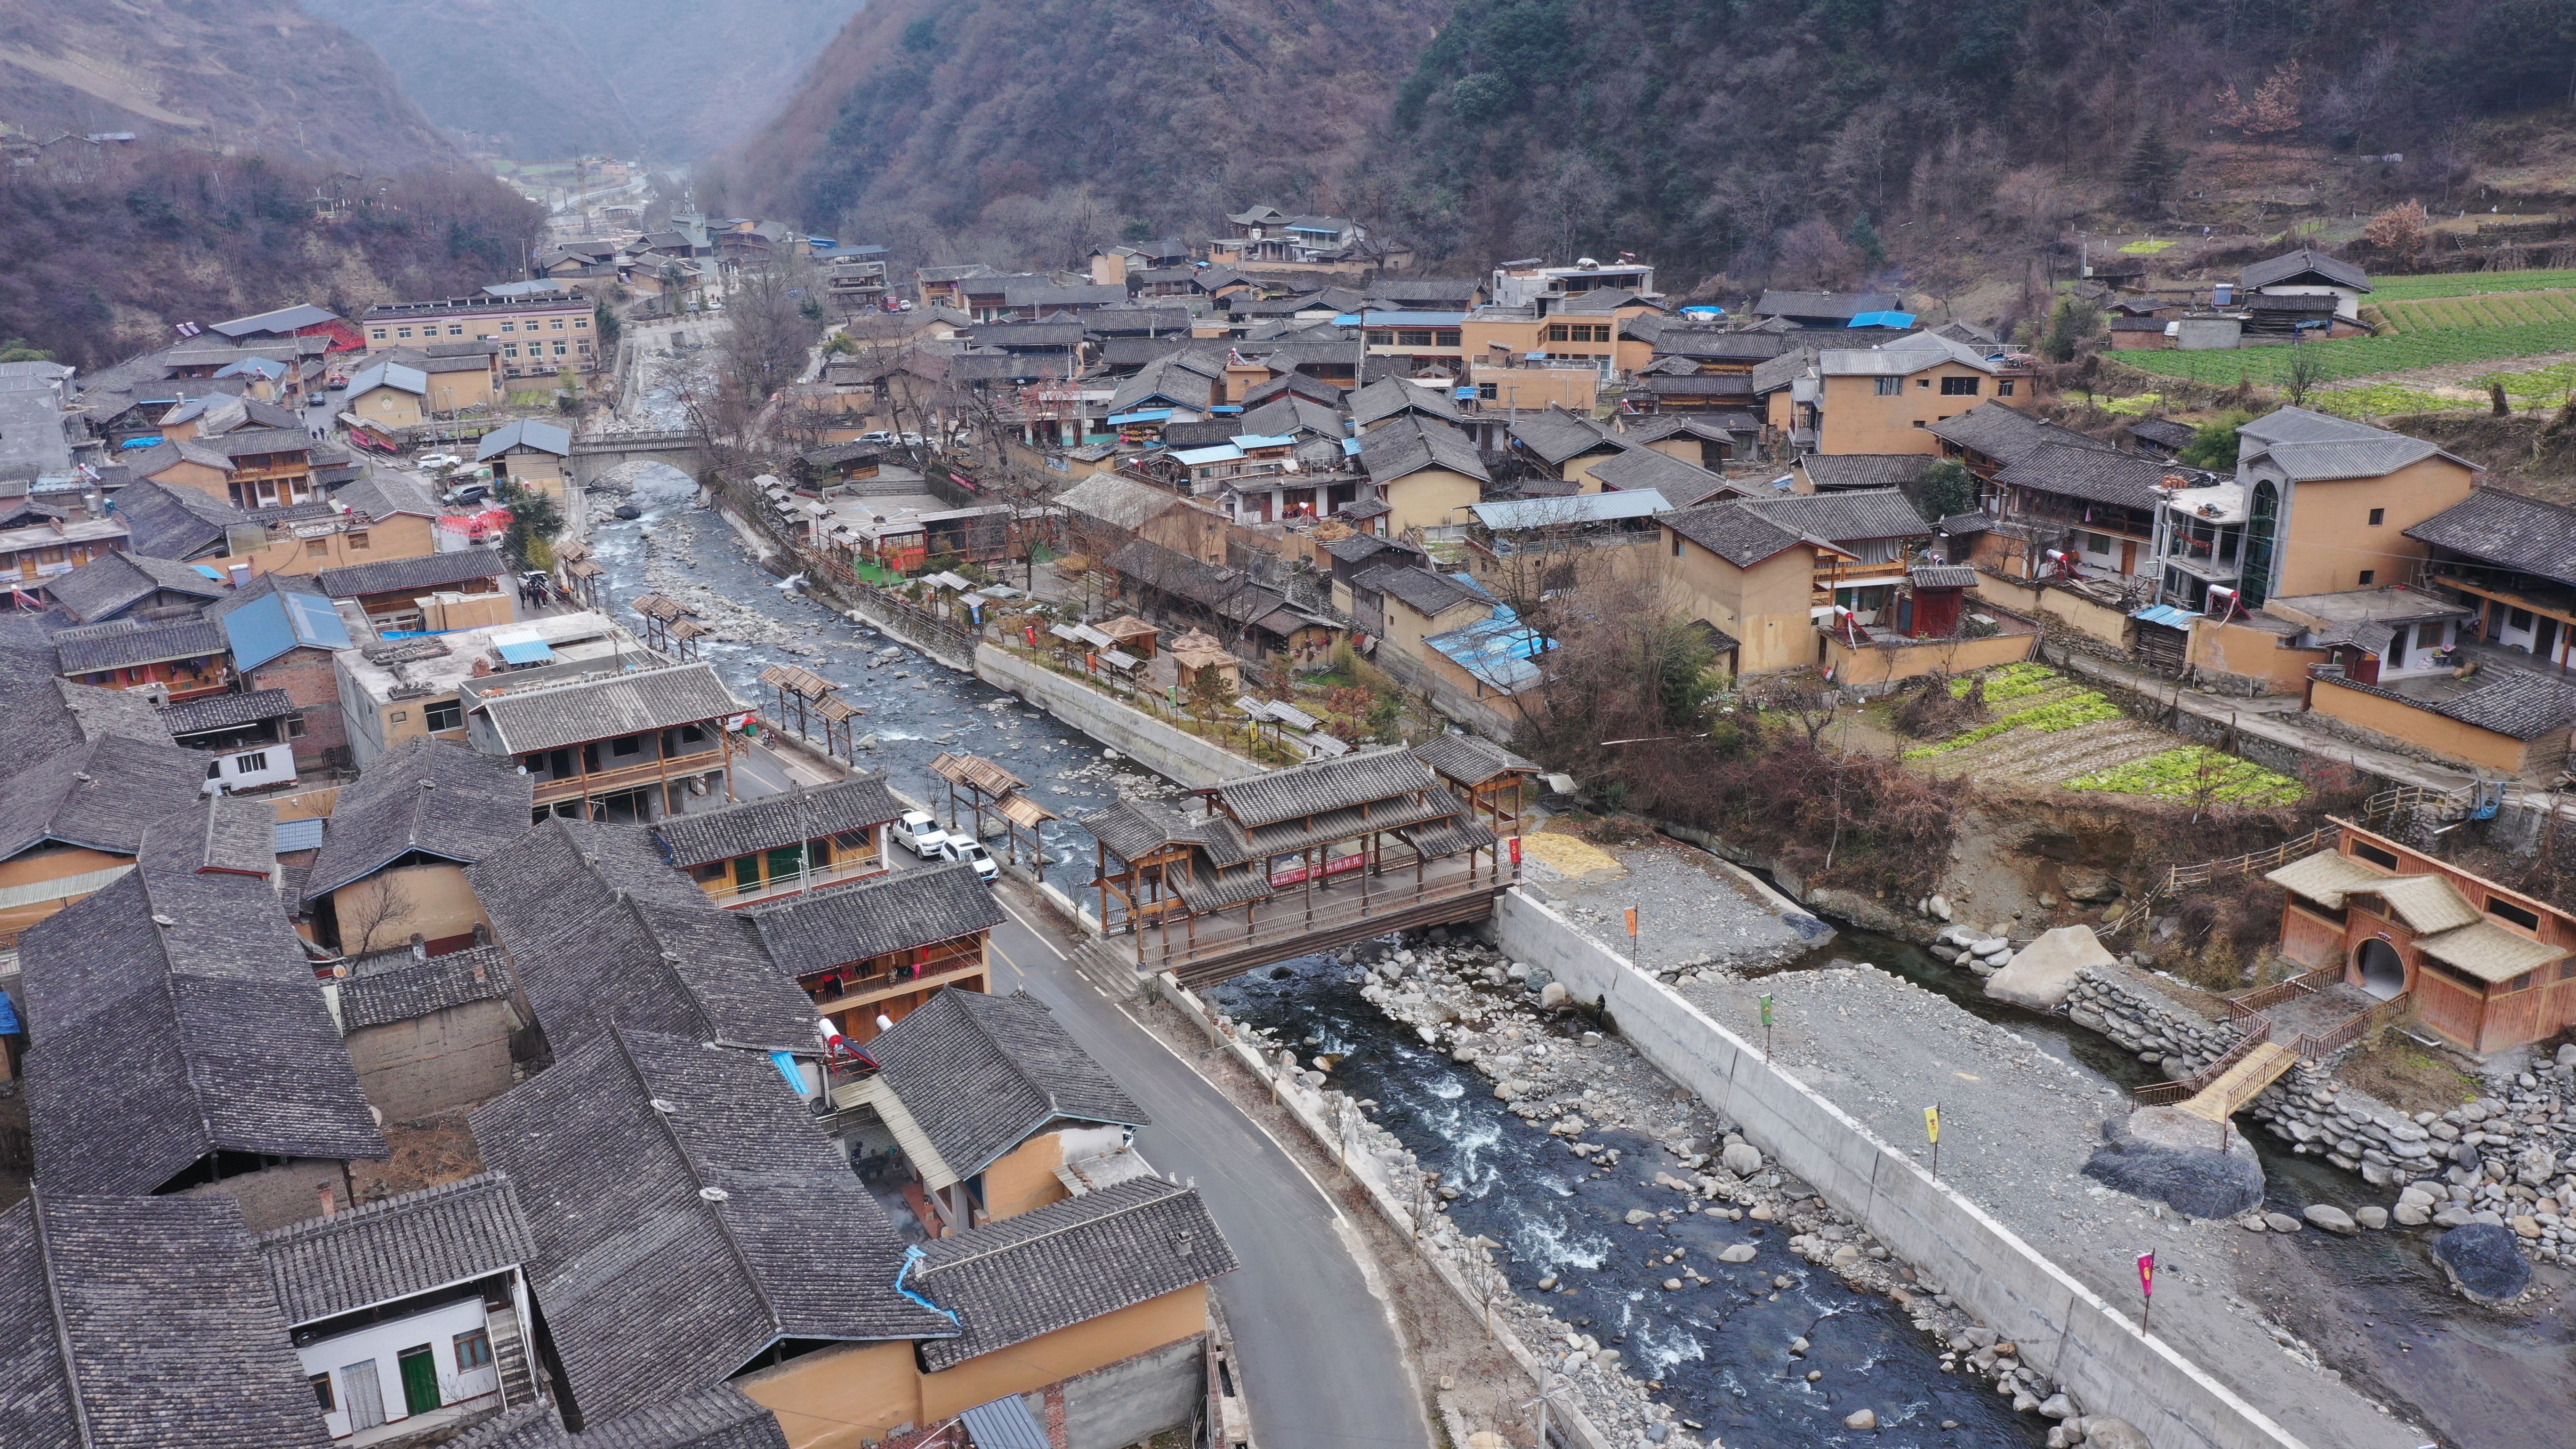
2383	972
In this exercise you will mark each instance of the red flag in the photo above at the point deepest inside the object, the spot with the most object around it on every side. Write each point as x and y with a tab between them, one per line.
1516	850
2147	1274
1632	921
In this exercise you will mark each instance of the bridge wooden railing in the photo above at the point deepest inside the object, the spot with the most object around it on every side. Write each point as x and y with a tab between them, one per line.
2165	1094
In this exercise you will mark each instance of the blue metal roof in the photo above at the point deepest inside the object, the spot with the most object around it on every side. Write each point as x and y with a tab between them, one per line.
299	835
526	651
265	628
1883	319
1258	440
1221	453
1402	319
2167	615
1146	415
1497	650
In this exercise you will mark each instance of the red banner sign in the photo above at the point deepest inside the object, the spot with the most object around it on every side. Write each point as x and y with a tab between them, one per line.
2147	1275
1335	866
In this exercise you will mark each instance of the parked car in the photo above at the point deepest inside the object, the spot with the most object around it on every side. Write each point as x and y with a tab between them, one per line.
879	436
920	834
468	494
441	460
958	847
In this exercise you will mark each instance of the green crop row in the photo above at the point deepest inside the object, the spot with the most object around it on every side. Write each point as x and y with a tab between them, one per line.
2363	356
2086	708
2467	284
2013	681
2388	399
2194	772
2509	309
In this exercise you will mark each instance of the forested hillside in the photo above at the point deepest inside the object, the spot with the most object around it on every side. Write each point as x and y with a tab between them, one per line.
253	74
98	266
1718	136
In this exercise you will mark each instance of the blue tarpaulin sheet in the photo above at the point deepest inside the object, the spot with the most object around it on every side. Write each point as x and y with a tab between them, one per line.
8	1017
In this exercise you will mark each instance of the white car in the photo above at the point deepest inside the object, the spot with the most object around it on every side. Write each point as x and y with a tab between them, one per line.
920	834
441	460
958	847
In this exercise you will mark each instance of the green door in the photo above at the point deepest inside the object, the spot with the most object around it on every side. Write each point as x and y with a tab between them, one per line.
786	863
420	1379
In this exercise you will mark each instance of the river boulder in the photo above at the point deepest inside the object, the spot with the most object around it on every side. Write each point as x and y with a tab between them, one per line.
2041	973
2172	1157
2483	1262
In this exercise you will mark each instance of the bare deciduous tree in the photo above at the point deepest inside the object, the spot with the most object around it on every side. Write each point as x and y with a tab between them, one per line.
369	910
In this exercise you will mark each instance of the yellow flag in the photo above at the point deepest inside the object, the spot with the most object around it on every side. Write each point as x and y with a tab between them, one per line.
1932	1123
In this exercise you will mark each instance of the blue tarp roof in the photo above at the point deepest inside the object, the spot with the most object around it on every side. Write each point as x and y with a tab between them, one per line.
9	1027
1709	309
1497	650
1883	319
265	628
2167	615
1402	319
1146	415
526	651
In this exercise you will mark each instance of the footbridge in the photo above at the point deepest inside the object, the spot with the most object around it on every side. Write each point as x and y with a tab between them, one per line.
594	453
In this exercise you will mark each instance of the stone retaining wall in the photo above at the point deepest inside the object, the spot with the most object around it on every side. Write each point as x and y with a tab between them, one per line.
1174	754
2090	1348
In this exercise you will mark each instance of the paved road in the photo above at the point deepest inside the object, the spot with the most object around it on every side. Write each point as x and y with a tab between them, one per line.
1322	1365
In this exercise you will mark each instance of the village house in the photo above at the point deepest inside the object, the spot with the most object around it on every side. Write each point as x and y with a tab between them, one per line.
601	930
2328	503
119	584
432	593
1765	573
1426	472
166	661
459	376
638	744
1567	445
389	395
1522	549
1823	309
246	1092
91	769
539	335
530	453
872	952
1885	399
2512	559
410	1316
283	633
250	734
394	852
2309	273
2484	967
207	1345
40	543
1106	512
392	690
784	844
301	320
429	1034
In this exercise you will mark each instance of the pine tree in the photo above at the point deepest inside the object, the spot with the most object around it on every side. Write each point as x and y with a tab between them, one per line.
2152	165
1864	241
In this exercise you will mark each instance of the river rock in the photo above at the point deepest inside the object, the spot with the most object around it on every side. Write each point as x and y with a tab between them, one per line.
1553	995
1863	1420
2057	1406
1939	907
2041	973
2482	1262
2282	1222
1639	1215
2411	1213
2332	1219
2101	1431
2086	886
1736	1253
2373	1217
2164	1154
1741	1158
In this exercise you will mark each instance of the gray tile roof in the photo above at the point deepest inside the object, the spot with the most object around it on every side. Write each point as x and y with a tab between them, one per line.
396	986
689	1214
1643	468
143	1323
124	643
2508	531
1032	1273
384	493
1780	371
2163	432
2515	703
778	820
1118	502
429	571
1176	573
1830	471
1845	517
2312	462
168	521
427	797
2301	425
193	995
1942	576
100	588
1423	590
1557	435
596	940
1468	760
715	1418
2273	270
1734	531
892	912
1411	443
47	714
1133	828
2006	433
550	716
226	711
217	833
1387	397
101	794
452	1233
1842	306
983	1074
2121	479
1320	786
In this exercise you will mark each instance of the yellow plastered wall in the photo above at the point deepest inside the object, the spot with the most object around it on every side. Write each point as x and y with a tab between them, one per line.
432	901
1431	498
2332	540
1024	1177
2422	728
1858	420
49	863
1764	606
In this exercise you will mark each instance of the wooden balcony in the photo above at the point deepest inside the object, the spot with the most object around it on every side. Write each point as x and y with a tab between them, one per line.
733	895
870	990
628	777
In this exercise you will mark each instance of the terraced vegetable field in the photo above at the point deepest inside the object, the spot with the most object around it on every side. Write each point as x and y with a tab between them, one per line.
2047	730
2194	772
2466	284
2500	309
2359	357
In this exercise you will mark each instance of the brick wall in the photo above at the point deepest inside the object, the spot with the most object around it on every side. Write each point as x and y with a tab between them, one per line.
308	679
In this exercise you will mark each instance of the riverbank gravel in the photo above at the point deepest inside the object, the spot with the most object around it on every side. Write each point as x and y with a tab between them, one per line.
1693	913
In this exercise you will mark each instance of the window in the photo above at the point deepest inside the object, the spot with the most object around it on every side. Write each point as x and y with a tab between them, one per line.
2517	618
1677	545
455	329
2384	859
402	332
691	734
2378	516
1922	382
398	716
1488	392
2097	543
559	349
357	540
585	347
376	334
2367	575
1959	386
250	764
473	1350
295	726
2003	387
581	324
2504	910
1556	333
1447	337
510	349
447	714
322	1397
632	744
1890	386
1381	337
558	324
2428	636
509	326
317	548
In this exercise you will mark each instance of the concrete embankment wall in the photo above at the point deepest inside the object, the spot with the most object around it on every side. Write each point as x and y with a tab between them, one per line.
1172	753
2072	1335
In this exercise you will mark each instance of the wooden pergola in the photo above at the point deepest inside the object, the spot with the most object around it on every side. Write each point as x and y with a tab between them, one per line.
669	627
980	778
1019	813
811	697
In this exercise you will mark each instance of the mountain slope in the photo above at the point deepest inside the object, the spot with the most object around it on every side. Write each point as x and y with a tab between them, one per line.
672	79
1032	125
255	74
